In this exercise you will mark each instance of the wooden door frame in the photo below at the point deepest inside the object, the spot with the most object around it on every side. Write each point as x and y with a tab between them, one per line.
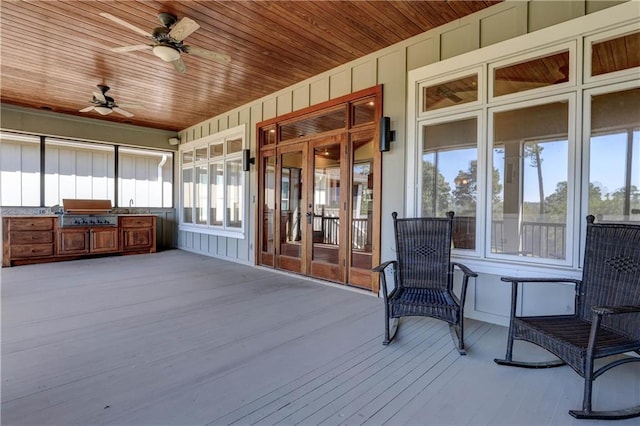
263	147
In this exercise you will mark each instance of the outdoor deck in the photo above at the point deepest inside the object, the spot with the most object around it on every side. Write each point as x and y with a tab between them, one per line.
176	338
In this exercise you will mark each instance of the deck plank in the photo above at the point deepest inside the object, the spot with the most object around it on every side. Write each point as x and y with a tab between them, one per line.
178	338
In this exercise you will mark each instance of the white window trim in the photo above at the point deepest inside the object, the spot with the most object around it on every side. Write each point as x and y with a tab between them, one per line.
621	16
570	98
206	142
586	131
481	183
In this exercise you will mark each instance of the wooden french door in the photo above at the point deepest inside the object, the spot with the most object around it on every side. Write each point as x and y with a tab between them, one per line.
319	194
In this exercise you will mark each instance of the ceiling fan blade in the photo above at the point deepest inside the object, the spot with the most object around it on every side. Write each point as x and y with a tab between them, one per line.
207	54
122	112
87	109
179	65
130	48
129	105
125	24
100	97
182	29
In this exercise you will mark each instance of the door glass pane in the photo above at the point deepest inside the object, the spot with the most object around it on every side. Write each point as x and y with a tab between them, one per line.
331	120
234	193
201	195
187	195
326	204
362	204
363	112
216	188
614	168
530	159
268	223
450	176
291	204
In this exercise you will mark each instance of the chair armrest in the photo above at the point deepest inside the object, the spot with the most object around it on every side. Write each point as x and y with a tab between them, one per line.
383	279
539	280
613	310
517	280
464	269
384	265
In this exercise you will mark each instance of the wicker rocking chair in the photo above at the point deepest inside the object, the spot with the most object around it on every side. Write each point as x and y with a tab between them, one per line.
606	321
423	276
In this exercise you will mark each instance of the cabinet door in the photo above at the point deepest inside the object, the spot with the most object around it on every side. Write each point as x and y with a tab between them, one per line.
104	240
137	239
73	241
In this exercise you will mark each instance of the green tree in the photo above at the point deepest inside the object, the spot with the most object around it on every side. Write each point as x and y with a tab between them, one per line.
466	191
436	192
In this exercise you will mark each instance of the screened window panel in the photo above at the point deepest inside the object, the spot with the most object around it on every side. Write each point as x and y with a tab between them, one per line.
19	170
145	178
78	170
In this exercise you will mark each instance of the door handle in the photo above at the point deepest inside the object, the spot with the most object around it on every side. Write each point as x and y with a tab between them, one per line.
309	218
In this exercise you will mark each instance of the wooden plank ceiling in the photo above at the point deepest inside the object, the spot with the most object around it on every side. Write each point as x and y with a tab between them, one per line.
54	53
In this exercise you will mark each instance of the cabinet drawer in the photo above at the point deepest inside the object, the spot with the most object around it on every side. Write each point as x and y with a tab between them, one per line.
32	250
136	221
31	237
31	224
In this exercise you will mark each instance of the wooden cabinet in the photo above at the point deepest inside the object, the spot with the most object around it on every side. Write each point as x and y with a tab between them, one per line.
36	239
87	240
27	239
137	233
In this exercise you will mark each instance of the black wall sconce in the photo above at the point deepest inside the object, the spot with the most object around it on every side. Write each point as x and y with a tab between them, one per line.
247	159
386	134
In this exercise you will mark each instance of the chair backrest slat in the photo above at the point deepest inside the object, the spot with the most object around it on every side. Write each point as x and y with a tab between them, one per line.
424	251
611	274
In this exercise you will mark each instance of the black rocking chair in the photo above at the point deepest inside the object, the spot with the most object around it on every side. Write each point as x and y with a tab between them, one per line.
606	321
423	276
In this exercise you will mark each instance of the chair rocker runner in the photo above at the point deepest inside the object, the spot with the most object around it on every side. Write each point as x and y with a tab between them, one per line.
423	276
606	321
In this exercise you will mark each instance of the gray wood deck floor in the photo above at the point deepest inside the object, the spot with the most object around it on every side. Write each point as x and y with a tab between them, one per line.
176	338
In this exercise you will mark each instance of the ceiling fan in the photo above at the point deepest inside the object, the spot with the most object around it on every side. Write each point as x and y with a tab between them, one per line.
167	40
104	104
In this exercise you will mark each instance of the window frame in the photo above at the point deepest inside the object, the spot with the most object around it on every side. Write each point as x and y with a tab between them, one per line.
90	146
616	21
586	145
238	132
570	226
604	36
481	182
534	54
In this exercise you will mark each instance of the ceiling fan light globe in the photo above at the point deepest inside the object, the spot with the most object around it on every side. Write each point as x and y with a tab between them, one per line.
166	53
103	110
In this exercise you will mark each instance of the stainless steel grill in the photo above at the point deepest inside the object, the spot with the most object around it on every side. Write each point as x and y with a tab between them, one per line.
77	212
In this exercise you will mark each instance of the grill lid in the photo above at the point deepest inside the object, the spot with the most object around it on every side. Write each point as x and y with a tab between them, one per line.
78	206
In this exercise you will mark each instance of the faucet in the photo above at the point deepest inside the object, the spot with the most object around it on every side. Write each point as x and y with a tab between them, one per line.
131	202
